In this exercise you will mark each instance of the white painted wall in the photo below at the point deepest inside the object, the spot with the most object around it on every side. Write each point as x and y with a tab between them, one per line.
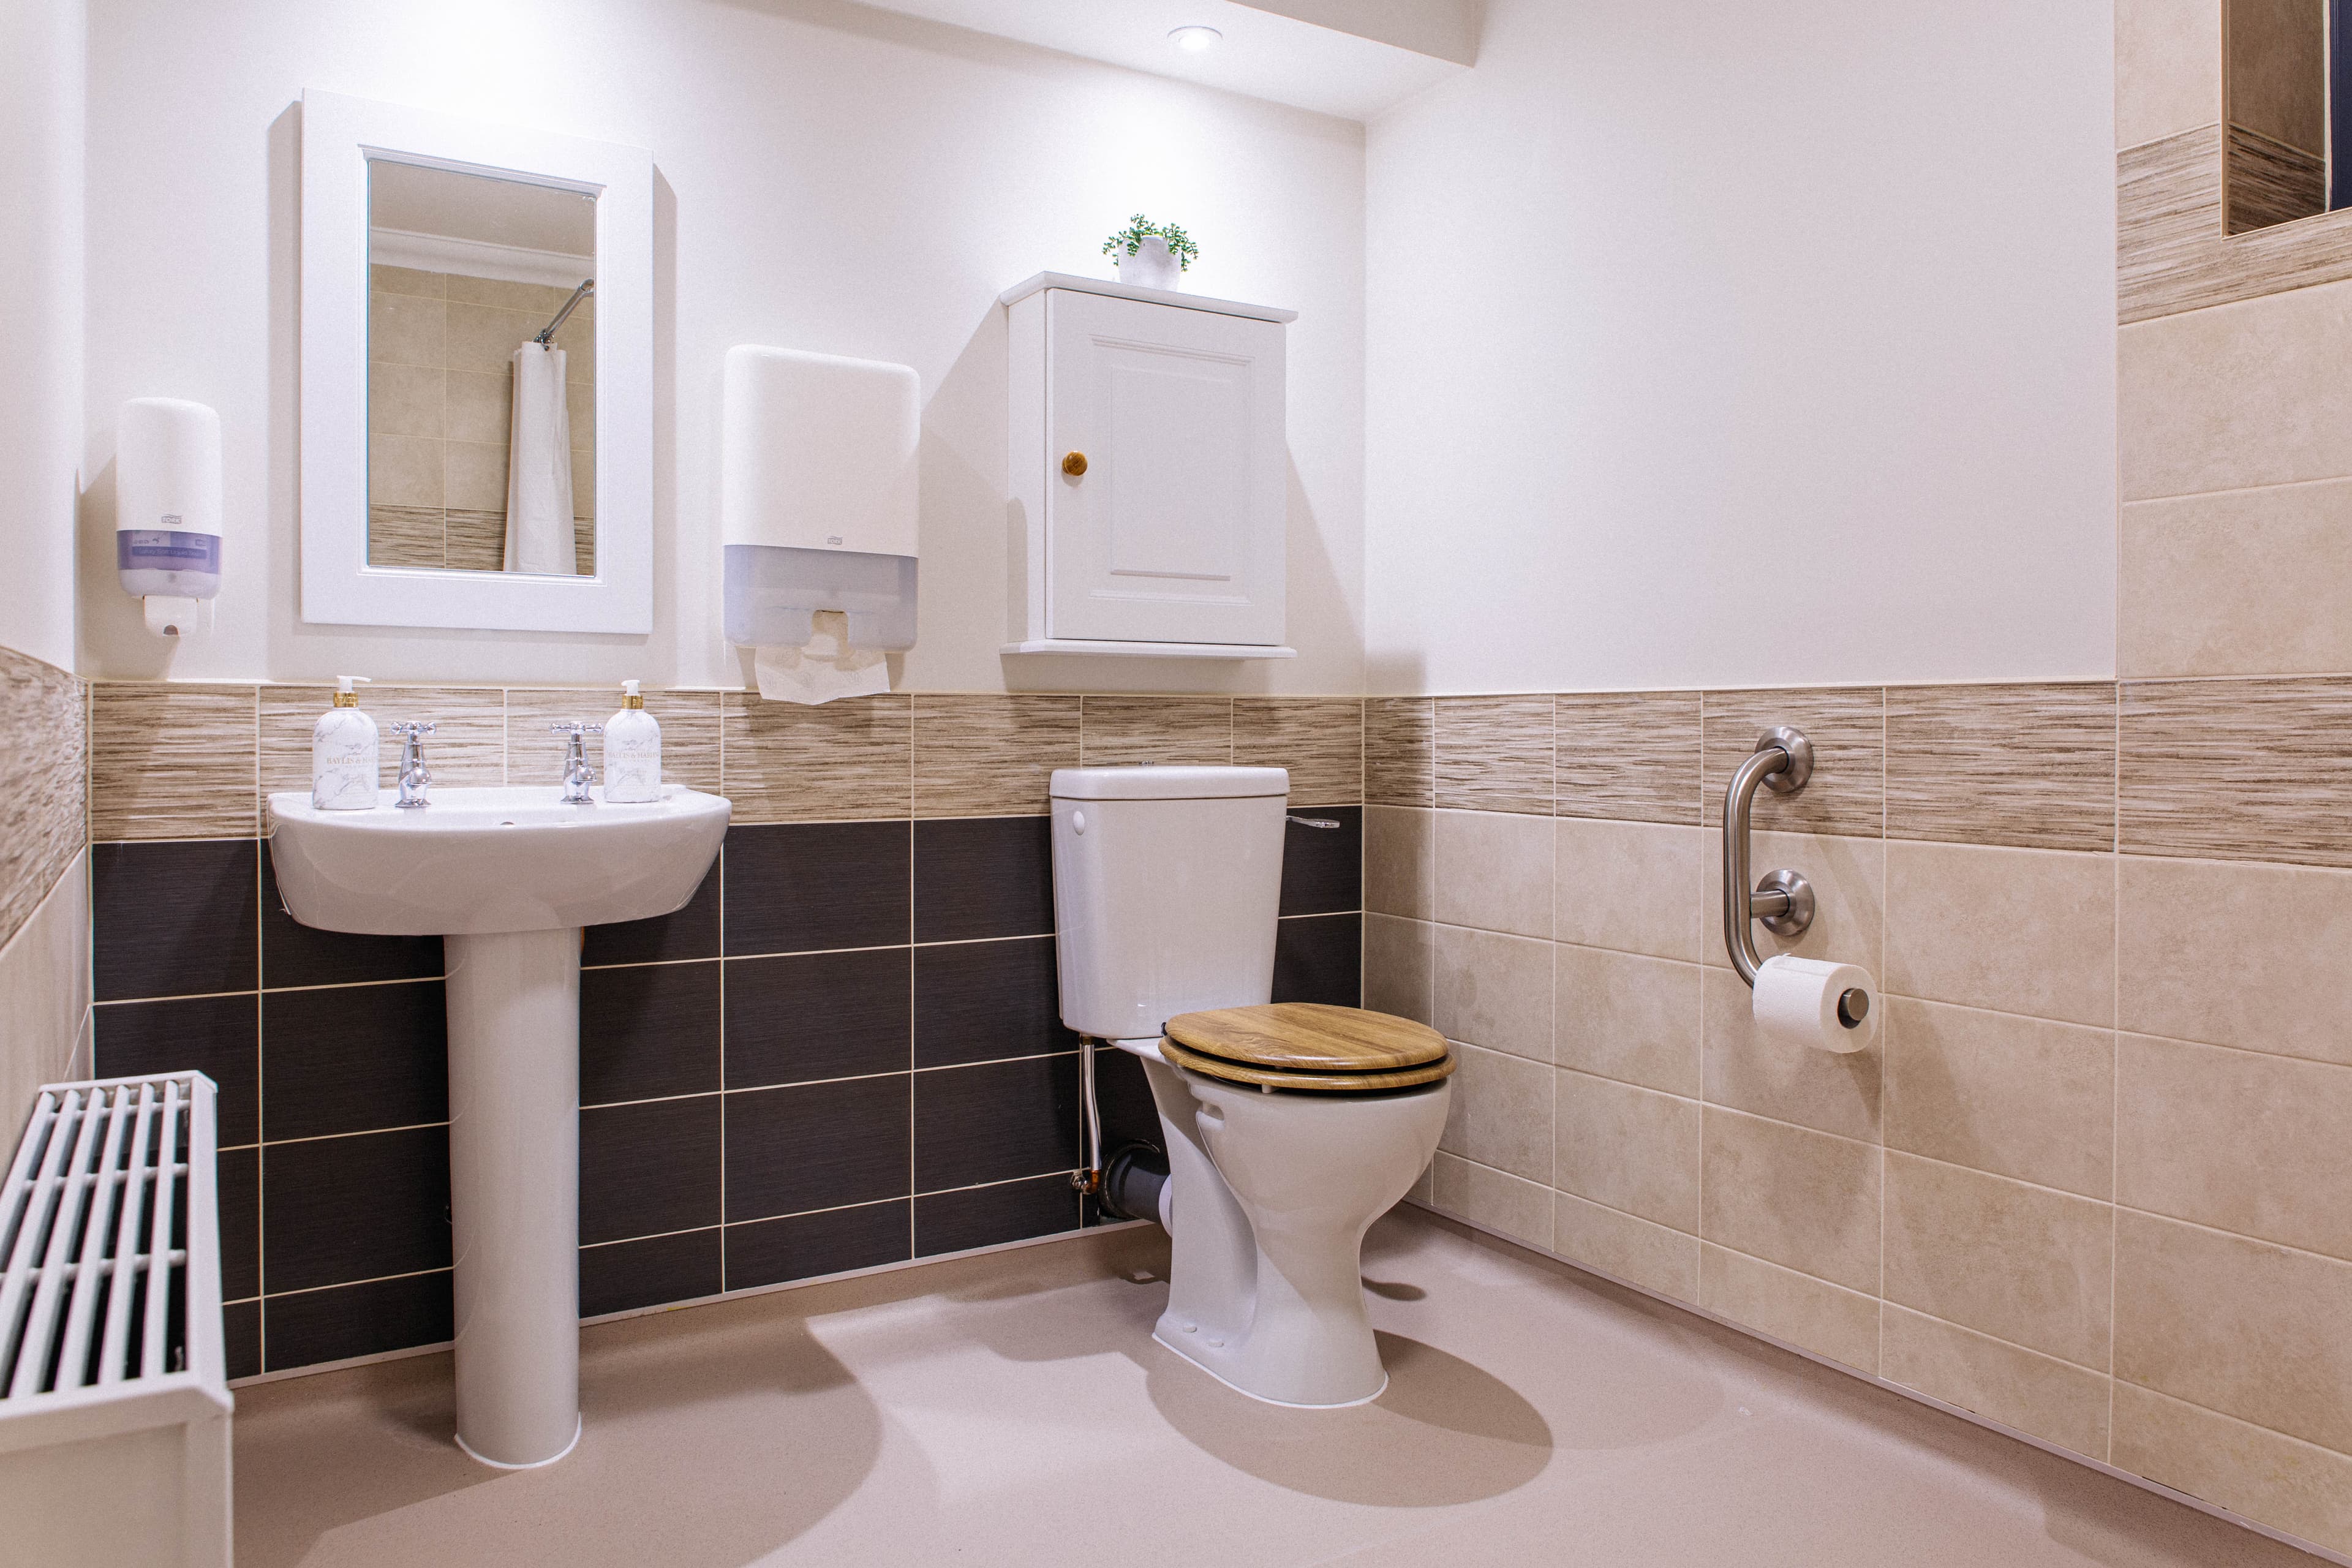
830	177
40	321
1723	343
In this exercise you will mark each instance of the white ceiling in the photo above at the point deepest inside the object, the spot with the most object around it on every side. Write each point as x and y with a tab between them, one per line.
1373	54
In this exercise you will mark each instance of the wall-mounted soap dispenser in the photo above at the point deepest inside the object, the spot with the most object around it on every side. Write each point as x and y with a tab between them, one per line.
167	526
817	509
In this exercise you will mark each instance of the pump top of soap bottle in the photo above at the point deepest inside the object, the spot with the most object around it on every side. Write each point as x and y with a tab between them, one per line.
344	696
629	698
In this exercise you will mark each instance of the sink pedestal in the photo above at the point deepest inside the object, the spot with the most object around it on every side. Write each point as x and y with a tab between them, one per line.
514	1192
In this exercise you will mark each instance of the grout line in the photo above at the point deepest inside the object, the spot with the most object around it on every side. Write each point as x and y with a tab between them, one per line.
343	1284
2114	1060
358	1132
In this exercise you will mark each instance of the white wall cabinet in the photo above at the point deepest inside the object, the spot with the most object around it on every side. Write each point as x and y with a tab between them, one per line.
1147	472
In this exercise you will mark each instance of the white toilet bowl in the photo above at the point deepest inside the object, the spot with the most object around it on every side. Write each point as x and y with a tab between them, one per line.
1270	1197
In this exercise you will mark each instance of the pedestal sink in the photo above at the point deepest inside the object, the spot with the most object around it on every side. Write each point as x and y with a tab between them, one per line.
507	878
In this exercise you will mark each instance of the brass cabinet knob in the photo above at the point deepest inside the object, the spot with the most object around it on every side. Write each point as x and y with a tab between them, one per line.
1073	464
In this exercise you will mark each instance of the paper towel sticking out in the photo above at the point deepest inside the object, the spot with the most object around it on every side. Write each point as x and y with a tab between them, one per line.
825	669
1796	1004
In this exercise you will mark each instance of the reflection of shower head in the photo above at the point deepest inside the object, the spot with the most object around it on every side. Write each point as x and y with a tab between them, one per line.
587	287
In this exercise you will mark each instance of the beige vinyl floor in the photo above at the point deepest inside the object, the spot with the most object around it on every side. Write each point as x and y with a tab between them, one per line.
1012	1408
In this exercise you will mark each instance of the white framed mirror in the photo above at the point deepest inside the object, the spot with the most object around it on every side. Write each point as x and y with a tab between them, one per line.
476	374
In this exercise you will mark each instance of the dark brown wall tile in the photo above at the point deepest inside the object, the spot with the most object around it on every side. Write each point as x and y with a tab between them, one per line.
1114	729
43	761
1400	751
839	762
2238	770
991	756
1495	753
1848	729
2030	766
1320	738
173	762
1631	755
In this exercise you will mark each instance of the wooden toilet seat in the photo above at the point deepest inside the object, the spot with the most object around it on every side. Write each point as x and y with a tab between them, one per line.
1308	1046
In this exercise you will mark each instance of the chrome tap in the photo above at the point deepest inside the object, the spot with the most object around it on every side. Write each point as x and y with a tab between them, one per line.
577	774
415	778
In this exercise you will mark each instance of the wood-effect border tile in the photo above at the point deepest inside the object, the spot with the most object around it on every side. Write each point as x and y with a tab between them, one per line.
2171	254
172	761
534	754
1847	726
839	762
984	755
1633	756
2029	767
1495	753
1115	729
1400	751
2237	770
1320	738
44	773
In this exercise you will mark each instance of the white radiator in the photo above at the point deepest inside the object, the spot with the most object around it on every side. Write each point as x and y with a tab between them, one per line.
114	1402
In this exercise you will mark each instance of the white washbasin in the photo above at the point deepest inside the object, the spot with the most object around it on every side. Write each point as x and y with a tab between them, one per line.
481	861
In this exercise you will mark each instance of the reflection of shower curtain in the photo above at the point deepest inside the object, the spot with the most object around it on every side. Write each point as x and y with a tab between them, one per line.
539	467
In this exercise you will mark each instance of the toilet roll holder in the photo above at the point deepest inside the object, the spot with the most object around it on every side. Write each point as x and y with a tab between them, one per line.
1783	763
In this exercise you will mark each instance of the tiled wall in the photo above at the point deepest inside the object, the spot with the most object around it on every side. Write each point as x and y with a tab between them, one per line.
844	1053
2089	1181
44	911
440	414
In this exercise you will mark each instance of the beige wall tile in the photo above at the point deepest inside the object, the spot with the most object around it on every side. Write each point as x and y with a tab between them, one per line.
1495	990
2019	1097
2275	62
1849	881
2167	67
1517	1209
1320	738
484	338
2019	931
173	760
473	475
2028	765
1631	755
535	753
1398	958
1500	1114
1114	729
1400	860
44	992
2021	1263
1631	886
2237	770
1400	751
2055	1401
1848	728
841	761
528	298
403	329
1631	1149
1634	1250
2172	255
2237	395
1495	753
2240	1141
478	406
2241	583
405	536
1799	1198
991	756
2244	956
2289	1485
1495	871
1830	1091
1627	1016
1792	1307
404	470
408	280
44	775
583	485
404	400
2251	1329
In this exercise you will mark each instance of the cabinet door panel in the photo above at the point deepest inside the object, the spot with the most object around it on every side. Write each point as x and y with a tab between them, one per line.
1174	533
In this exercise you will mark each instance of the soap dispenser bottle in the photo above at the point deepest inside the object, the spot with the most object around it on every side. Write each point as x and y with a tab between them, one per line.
632	750
344	755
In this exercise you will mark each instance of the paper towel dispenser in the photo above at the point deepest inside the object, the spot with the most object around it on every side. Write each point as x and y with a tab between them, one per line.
817	496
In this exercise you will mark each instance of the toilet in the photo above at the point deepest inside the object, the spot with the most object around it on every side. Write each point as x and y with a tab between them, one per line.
1289	1127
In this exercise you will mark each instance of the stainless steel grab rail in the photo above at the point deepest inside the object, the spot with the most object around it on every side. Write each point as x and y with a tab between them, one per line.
1781	763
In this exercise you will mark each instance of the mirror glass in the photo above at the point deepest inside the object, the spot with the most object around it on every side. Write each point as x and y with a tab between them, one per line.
481	386
2283	64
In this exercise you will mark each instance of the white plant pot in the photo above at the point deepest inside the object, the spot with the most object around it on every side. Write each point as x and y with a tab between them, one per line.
1151	267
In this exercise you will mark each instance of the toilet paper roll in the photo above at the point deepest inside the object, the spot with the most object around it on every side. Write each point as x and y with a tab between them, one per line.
1796	1004
823	669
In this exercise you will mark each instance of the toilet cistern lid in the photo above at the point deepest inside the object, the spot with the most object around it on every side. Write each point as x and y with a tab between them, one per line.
1159	781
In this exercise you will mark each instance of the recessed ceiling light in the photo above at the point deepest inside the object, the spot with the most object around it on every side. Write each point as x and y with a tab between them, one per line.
1193	40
